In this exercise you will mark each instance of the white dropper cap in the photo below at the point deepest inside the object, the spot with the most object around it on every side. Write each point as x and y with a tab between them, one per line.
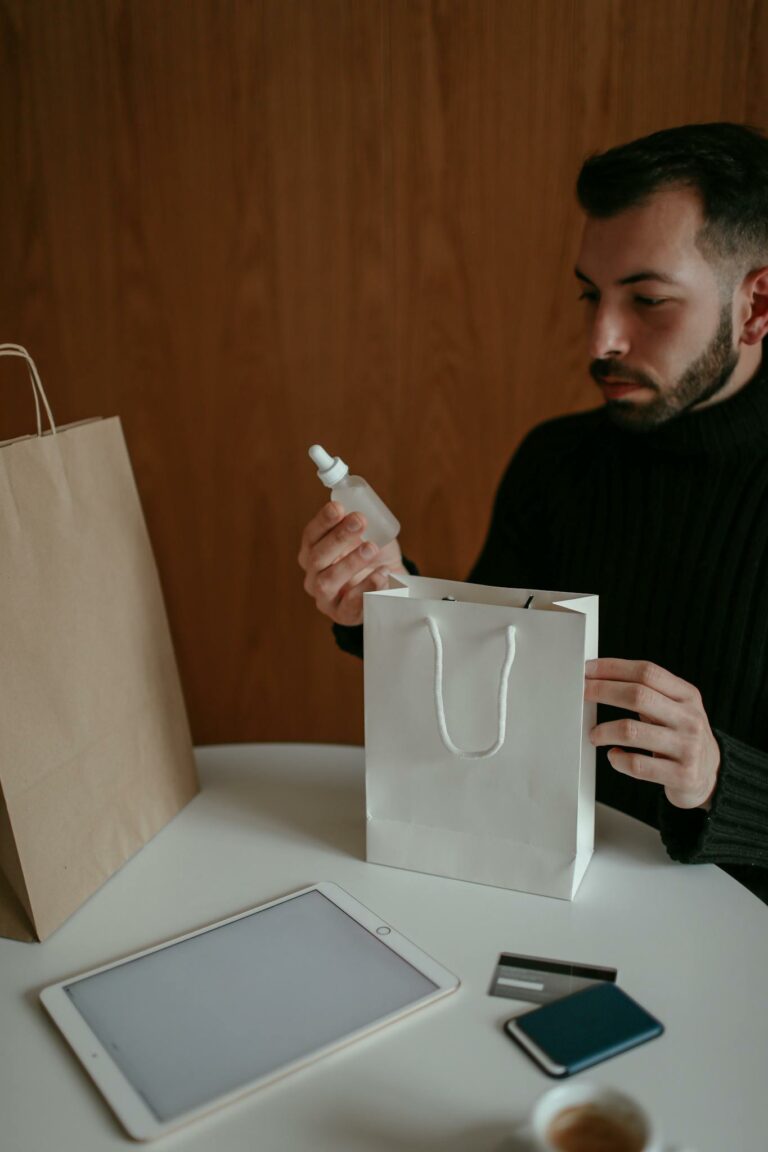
330	469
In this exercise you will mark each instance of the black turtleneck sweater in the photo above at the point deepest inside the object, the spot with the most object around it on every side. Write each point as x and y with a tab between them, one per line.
670	528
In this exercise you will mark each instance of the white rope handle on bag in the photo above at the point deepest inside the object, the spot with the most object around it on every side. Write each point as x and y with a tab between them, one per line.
37	388
440	705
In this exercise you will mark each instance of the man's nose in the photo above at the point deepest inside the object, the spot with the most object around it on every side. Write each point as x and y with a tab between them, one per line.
608	335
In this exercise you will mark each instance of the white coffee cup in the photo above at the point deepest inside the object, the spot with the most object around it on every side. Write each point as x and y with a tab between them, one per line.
584	1104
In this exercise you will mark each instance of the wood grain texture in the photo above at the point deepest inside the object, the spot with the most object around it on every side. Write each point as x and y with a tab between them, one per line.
247	226
494	107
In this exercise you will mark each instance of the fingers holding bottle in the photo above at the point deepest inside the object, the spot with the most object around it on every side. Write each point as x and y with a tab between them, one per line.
350	546
339	565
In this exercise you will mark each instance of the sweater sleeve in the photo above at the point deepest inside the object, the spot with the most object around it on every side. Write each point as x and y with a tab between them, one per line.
350	637
735	829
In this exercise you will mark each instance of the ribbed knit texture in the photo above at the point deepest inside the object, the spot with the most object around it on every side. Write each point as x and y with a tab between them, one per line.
670	527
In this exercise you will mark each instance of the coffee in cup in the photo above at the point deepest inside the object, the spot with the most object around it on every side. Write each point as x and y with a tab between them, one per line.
590	1118
593	1128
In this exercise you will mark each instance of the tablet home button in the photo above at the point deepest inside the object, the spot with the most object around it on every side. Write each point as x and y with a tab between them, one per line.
383	931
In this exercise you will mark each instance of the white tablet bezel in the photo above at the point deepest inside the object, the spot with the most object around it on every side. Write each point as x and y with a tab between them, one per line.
138	1120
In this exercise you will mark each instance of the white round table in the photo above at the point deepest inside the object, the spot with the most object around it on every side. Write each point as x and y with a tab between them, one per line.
689	943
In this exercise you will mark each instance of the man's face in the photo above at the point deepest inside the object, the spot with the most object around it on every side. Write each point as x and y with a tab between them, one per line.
660	330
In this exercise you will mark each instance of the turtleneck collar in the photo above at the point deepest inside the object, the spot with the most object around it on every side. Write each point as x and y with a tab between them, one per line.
737	423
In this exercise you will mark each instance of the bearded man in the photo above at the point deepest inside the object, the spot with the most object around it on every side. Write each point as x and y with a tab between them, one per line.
657	500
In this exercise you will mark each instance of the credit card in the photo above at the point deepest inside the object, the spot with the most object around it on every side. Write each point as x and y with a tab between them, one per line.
539	980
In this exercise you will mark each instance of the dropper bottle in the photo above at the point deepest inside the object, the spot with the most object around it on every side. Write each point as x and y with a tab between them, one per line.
356	495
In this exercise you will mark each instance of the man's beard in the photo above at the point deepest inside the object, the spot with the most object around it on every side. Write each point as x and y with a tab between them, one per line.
704	378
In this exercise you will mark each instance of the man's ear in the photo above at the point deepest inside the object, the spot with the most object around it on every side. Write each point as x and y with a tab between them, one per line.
755	303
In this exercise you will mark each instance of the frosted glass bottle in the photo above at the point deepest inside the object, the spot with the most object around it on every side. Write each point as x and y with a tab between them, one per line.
356	495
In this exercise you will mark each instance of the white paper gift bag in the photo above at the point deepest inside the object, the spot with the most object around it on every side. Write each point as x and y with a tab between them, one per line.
477	752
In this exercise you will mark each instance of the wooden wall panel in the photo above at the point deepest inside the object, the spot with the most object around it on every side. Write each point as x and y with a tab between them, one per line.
195	241
246	226
494	107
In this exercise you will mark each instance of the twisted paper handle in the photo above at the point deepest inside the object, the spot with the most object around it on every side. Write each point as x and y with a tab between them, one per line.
37	387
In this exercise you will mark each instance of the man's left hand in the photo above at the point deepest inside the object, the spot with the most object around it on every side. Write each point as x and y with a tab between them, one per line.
671	725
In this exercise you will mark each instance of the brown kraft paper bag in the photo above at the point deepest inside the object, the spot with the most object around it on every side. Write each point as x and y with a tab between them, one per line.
95	749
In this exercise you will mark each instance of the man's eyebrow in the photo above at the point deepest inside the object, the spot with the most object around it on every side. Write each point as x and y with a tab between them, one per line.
635	278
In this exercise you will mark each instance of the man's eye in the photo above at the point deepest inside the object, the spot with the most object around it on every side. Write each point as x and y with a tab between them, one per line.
591	296
650	301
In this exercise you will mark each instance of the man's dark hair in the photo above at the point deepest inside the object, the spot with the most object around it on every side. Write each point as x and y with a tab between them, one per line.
726	164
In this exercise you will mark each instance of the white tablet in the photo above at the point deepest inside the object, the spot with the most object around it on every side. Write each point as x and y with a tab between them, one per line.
177	1030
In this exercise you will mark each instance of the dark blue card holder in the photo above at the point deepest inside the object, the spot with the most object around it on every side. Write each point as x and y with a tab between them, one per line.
583	1029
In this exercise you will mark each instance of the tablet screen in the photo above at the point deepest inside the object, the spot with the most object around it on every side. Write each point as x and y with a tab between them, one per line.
208	1015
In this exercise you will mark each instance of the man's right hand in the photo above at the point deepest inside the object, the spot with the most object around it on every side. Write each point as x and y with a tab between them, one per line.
339	567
